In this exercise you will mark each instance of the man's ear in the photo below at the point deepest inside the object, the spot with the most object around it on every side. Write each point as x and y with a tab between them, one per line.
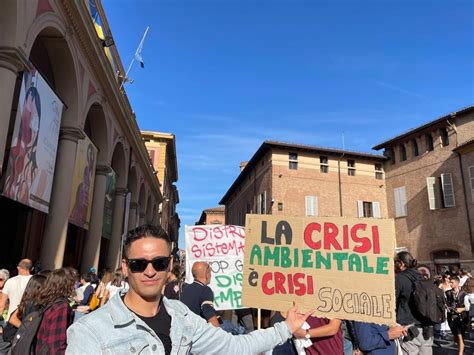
124	268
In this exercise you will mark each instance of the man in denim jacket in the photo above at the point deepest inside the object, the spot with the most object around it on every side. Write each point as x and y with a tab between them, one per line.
144	322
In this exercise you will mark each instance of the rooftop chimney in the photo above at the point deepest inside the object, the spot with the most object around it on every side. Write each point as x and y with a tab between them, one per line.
243	165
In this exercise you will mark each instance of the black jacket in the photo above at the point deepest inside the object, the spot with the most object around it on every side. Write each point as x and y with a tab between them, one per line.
404	287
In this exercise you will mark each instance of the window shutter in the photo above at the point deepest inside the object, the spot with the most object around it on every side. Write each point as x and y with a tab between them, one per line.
309	204
259	204
400	201
360	209
316	205
376	209
264	202
448	190
430	185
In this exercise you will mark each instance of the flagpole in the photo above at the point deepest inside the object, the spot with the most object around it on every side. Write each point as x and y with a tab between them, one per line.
139	49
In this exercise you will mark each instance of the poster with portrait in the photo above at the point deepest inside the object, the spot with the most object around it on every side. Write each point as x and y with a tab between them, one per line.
32	158
83	183
111	180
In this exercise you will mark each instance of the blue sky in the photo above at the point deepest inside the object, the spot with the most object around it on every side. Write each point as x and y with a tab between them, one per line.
225	75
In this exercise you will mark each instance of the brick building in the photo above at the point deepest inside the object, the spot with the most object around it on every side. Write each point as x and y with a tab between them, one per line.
430	189
162	150
300	180
424	180
214	215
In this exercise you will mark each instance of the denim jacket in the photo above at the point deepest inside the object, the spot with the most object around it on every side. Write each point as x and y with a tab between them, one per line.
114	329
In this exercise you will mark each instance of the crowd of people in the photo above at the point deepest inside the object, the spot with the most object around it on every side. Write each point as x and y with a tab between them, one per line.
145	307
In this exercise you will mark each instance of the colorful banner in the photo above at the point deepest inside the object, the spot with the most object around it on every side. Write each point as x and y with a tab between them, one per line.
223	248
340	267
31	163
109	204
83	183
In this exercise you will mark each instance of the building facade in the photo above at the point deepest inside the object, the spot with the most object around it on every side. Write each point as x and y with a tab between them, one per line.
162	151
299	180
214	215
61	90
430	189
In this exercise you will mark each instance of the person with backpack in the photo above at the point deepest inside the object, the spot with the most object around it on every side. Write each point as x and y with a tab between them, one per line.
419	339
58	315
458	318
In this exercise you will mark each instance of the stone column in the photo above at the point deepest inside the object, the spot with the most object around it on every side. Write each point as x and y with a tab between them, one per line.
92	243
55	231
11	62
132	217
117	229
142	218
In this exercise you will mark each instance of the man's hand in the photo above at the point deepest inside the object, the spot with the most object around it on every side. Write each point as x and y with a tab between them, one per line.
397	331
295	320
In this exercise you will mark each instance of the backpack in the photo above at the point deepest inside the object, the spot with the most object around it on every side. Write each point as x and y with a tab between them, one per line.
429	302
24	341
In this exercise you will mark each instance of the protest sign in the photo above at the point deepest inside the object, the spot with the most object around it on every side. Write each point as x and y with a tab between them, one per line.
340	267
223	248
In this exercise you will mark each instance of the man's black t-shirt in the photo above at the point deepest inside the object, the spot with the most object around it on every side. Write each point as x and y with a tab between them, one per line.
161	325
196	295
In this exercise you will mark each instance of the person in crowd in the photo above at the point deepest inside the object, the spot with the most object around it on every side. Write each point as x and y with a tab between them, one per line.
463	276
173	287
4	276
420	338
469	300
119	325
325	335
101	288
198	296
14	287
115	286
87	290
377	339
58	315
445	286
29	301
457	313
351	341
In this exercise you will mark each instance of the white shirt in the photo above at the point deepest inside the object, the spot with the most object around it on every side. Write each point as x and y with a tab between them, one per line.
462	280
14	289
113	290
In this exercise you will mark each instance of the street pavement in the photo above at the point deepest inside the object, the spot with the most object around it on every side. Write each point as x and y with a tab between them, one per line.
448	347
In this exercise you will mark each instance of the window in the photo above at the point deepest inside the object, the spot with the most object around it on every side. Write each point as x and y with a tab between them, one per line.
414	145
280	206
368	209
261	202
351	170
471	178
444	136
311	205
323	163
378	172
403	153
448	190
429	142
293	161
431	187
400	201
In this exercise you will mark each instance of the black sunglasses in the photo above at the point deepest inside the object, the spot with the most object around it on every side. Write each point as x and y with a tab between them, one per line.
160	263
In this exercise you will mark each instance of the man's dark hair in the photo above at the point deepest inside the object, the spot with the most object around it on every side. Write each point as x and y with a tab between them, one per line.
86	277
407	259
456	278
144	231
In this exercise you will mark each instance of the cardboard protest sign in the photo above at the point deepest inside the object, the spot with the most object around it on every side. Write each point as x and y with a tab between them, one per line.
223	248
341	267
